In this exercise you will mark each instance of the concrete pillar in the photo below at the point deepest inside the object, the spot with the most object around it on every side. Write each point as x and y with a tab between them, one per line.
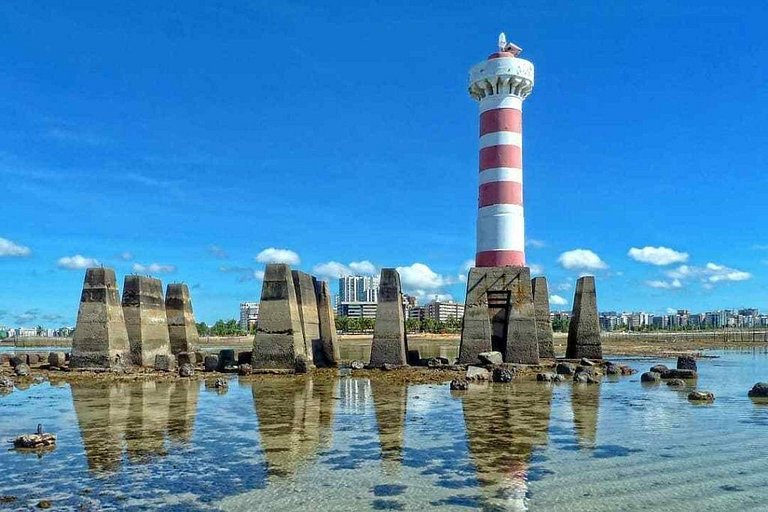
182	330
499	315
144	311
543	323
100	338
389	342
328	338
584	329
279	338
306	300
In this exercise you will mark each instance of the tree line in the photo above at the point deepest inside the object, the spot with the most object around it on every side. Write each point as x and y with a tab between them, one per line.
229	327
354	325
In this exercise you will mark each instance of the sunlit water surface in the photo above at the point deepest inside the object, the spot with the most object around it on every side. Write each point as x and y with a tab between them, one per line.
351	444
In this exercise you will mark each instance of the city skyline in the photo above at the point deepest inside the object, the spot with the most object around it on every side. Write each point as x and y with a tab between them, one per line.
149	161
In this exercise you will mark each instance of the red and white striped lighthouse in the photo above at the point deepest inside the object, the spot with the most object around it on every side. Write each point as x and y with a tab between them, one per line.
500	84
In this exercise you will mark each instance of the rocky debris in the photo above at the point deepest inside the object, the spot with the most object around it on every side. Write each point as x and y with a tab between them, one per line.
226	359
459	385
189	358
388	367
565	369
612	369
659	368
57	359
44	504
679	374
437	362
186	370
626	370
413	357
4	499
244	369
245	357
17	360
22	369
545	377
357	365
33	359
5	359
221	383
477	373
676	383
701	396
490	357
584	378
686	363
759	390
165	363
6	385
211	363
558	378
587	362
502	375
39	439
653	377
300	364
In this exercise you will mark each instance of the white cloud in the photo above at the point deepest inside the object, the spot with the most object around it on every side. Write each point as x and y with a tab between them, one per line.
536	269
363	267
536	244
564	286
126	256
153	268
657	255
671	311
465	268
273	255
581	259
420	277
557	300
710	274
334	269
665	285
77	262
258	275
9	248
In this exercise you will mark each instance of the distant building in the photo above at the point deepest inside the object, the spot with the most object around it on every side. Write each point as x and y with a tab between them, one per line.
249	315
357	309
358	289
442	311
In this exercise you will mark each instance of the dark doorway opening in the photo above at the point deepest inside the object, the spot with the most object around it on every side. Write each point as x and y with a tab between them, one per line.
498	312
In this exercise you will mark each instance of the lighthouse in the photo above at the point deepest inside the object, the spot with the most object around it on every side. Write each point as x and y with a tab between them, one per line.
500	84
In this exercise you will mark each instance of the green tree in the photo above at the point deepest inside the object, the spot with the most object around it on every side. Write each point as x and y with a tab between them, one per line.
202	329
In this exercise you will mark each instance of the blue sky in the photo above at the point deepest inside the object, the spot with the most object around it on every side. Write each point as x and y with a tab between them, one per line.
184	140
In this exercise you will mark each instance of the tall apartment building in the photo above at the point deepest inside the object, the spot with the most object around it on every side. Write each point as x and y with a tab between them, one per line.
443	311
249	315
358	296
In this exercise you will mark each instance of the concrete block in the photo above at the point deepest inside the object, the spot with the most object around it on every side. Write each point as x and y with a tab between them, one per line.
279	337
182	331
57	359
499	316
145	319
329	340
165	362
226	359
584	329
306	300
544	336
211	363
189	358
101	338
389	342
244	357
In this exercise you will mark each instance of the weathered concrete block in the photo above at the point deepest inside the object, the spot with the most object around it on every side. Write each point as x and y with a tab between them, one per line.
279	338
544	335
101	337
226	359
182	331
211	363
329	340
33	359
145	319
57	359
389	340
18	359
306	300
499	316
244	357
165	362
189	358
584	330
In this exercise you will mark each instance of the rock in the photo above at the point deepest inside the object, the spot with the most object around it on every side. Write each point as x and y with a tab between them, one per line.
300	364
650	377
17	360
57	359
701	396
6	384
388	367
490	357
676	383
39	439
5	359
245	357
44	504
221	383
612	369
659	368
592	380
244	369
22	369
33	359
626	370
186	370
435	362
211	363
357	365
414	358
759	390
502	375
189	358
686	363
558	378
679	374
581	378
586	362
545	377
565	369
165	362
226	358
459	385
477	373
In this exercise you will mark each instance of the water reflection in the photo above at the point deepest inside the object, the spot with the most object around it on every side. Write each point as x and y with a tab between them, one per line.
390	402
295	421
585	402
504	425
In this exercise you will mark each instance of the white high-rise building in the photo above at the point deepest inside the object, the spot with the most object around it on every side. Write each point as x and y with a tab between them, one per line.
358	289
249	315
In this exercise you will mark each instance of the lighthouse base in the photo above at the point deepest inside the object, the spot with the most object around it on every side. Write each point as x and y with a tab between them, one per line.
499	315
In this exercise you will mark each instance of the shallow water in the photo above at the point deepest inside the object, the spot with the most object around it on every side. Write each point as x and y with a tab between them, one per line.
352	444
